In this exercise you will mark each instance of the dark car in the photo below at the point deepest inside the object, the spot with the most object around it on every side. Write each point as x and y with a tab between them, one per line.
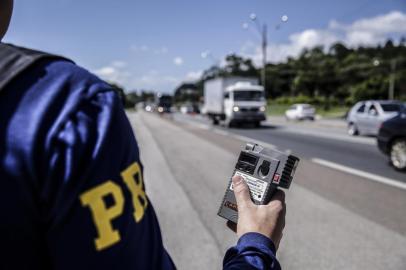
392	140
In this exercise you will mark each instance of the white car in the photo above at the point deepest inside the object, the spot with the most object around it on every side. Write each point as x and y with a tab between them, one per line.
185	109
366	117
300	112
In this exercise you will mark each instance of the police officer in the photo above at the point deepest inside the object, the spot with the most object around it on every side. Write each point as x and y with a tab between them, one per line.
72	194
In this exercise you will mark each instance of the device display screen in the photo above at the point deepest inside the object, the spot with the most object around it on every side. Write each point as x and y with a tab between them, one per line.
248	158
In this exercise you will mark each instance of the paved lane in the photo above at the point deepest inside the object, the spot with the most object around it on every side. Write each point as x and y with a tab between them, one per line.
376	201
356	155
359	153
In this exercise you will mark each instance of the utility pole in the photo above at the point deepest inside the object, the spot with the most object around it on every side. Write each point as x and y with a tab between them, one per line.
263	32
391	90
264	46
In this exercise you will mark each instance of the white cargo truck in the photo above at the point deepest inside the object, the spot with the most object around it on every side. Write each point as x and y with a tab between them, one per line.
234	100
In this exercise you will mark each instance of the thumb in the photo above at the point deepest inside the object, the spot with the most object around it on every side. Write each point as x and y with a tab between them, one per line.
241	192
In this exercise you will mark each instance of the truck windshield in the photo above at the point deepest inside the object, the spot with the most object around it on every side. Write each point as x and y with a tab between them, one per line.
248	95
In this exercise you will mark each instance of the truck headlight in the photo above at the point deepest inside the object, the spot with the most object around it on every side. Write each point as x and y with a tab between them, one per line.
236	109
262	108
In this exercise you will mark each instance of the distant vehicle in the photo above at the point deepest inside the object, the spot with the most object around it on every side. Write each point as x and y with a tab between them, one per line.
234	100
300	112
149	107
203	110
163	103
366	117
392	139
189	108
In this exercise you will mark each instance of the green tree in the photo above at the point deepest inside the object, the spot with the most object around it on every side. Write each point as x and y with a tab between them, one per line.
337	74
132	98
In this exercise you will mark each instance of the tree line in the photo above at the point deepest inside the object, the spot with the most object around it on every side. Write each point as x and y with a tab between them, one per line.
338	75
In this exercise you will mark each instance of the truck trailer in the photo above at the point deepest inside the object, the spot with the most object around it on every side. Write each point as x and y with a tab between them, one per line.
234	100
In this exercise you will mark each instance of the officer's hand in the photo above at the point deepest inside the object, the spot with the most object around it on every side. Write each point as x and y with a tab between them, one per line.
268	220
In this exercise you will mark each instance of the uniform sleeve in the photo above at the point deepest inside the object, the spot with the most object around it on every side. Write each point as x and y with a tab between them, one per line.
95	210
253	251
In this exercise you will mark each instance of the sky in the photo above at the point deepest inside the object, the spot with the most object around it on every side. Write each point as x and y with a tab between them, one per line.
157	45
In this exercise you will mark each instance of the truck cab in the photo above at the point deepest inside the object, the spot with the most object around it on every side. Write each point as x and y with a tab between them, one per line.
234	99
244	102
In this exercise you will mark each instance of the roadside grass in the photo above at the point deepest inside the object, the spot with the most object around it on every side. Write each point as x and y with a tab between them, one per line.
334	112
276	109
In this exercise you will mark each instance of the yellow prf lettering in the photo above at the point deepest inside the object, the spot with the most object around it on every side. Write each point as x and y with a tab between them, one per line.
136	189
102	216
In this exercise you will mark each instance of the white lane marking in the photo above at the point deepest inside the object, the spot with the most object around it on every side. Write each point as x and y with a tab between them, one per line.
332	136
221	132
201	126
235	136
370	176
327	133
195	124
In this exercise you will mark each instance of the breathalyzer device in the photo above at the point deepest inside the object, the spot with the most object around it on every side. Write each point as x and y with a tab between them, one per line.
264	170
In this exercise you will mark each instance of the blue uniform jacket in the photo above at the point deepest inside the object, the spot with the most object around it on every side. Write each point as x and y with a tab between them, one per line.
72	194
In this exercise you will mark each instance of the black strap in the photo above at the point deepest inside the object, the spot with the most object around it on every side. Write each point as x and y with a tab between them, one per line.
15	60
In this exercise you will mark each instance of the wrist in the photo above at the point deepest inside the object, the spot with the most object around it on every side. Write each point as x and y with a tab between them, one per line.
257	239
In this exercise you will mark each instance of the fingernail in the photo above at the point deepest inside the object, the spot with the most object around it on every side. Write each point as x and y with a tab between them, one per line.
237	180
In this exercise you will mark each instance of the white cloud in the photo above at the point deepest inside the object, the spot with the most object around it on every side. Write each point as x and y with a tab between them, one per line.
194	75
178	61
118	72
392	22
366	31
249	47
313	37
363	38
153	80
371	31
308	38
115	72
119	64
105	71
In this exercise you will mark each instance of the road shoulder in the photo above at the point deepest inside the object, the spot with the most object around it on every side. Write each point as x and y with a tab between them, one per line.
178	220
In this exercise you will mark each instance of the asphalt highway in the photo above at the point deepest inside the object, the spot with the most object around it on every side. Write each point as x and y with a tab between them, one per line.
329	144
336	218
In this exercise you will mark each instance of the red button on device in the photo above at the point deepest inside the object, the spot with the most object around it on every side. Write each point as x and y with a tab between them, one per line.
276	178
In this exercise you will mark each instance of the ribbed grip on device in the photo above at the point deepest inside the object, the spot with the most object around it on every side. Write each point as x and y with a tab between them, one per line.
288	171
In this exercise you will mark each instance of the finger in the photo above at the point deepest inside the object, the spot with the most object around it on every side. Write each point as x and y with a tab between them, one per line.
277	239
241	192
282	219
280	240
279	196
232	226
